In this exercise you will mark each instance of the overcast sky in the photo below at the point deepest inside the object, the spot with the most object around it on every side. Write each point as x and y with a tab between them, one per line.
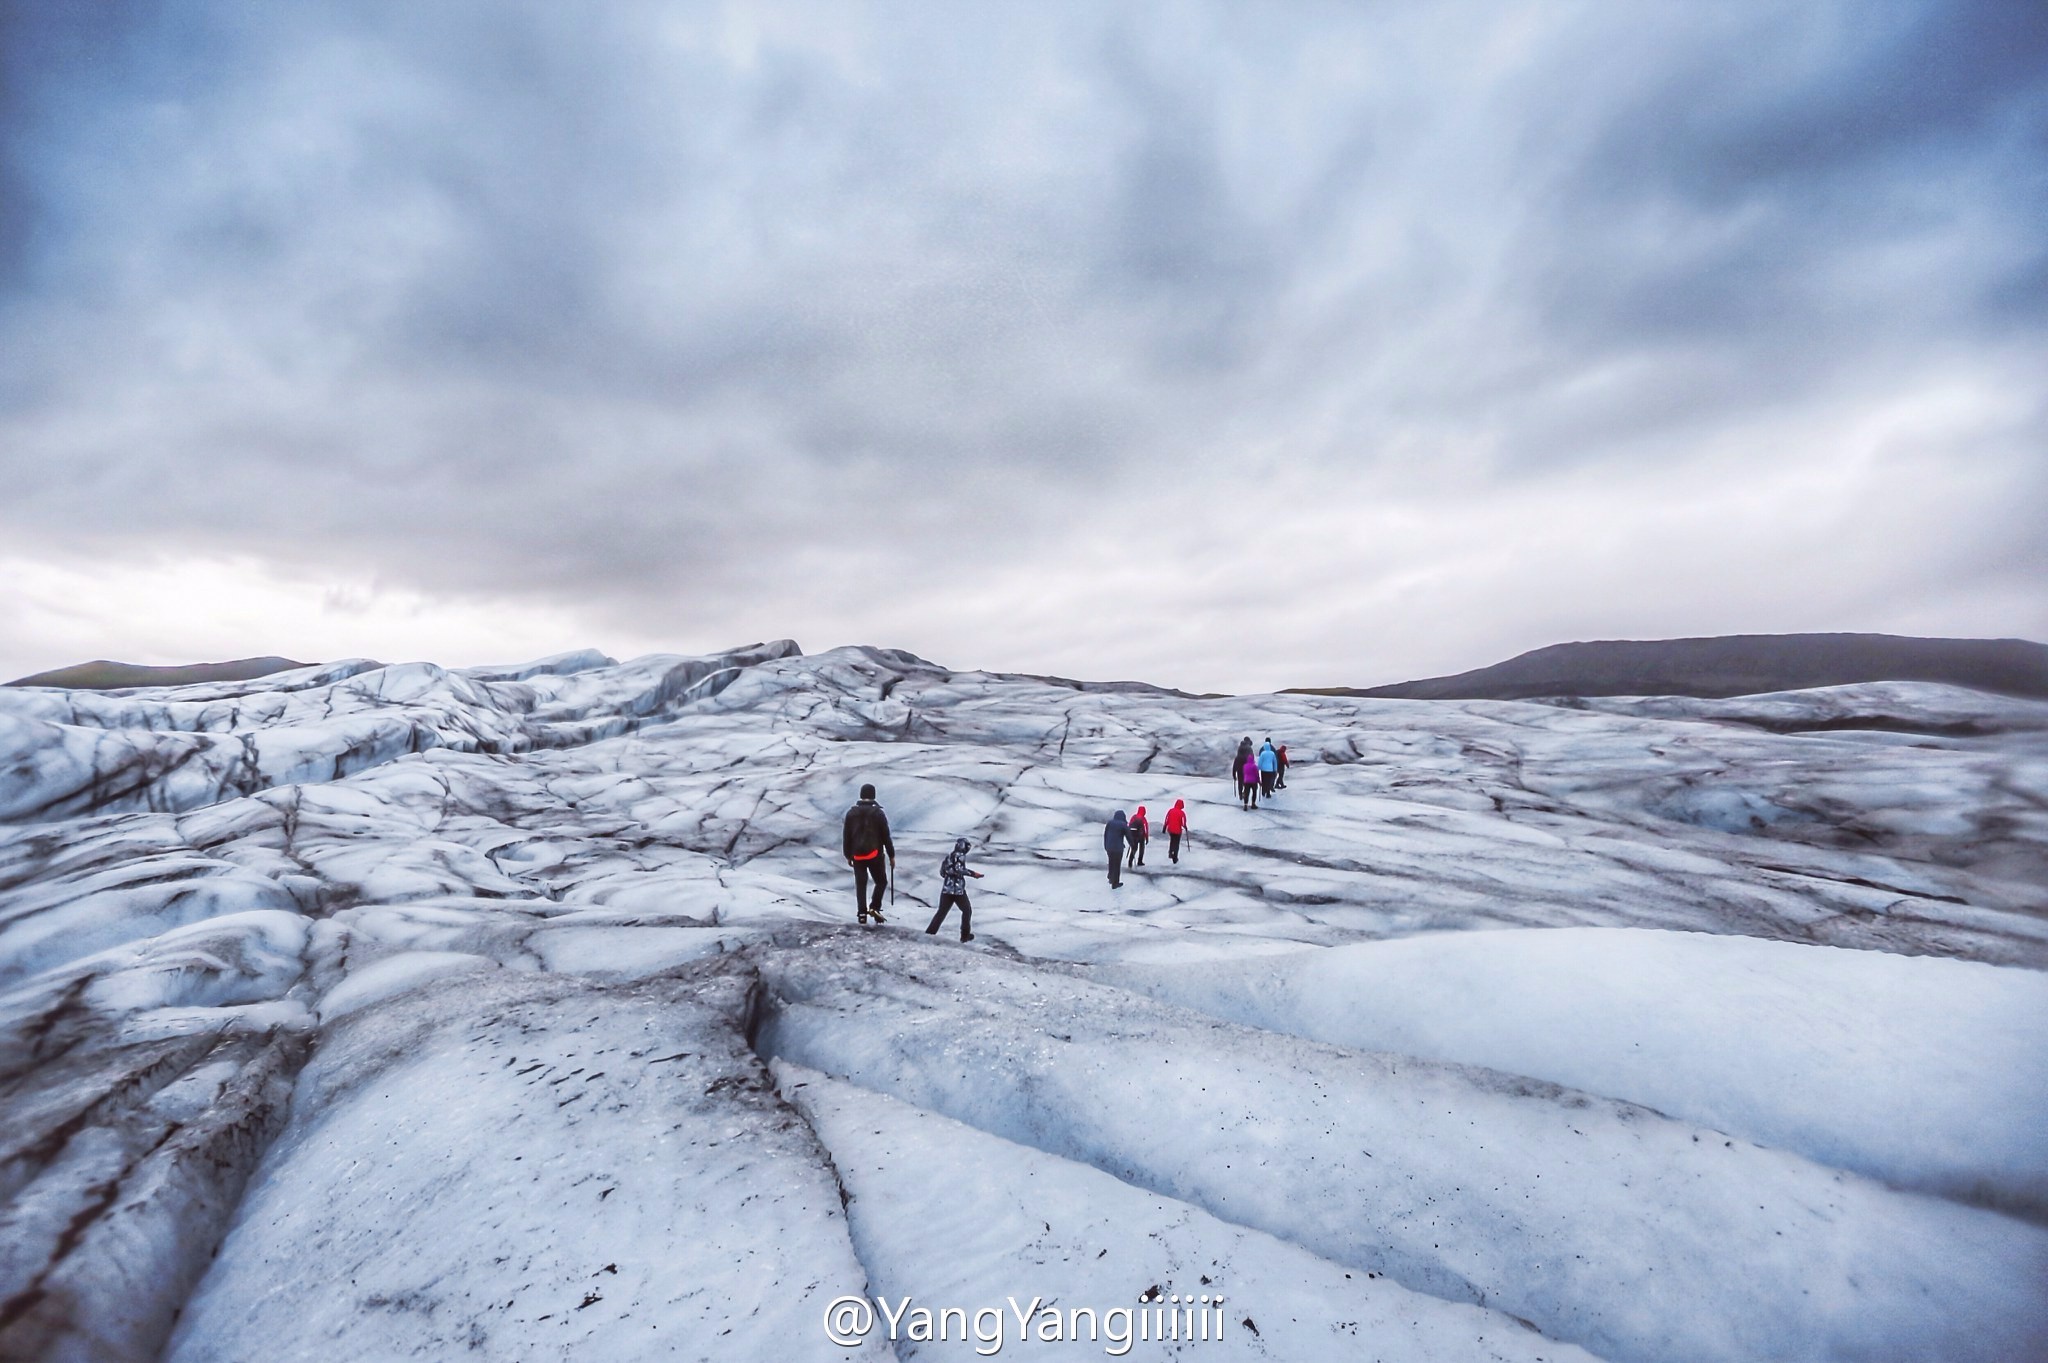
1225	346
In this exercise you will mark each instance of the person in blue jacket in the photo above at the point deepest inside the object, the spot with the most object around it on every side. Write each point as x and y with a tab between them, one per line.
1269	768
1113	843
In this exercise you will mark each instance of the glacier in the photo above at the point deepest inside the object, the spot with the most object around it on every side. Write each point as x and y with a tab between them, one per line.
371	1012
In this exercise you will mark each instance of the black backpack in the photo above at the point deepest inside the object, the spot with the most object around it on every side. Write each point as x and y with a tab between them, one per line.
864	825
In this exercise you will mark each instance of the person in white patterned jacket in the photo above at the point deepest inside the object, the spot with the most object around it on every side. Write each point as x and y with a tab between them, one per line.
953	875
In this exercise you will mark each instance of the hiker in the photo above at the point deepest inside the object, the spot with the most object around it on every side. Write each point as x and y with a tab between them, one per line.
1176	827
1269	769
865	839
1137	834
1280	778
1113	843
1244	750
953	875
1248	782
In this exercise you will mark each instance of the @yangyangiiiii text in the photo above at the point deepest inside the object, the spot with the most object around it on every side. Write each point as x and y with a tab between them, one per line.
1157	1316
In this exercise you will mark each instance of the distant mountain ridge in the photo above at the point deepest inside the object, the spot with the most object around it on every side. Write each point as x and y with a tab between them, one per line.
103	674
1709	668
1734	665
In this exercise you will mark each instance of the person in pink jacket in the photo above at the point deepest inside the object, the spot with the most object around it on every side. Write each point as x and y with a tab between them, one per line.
1248	774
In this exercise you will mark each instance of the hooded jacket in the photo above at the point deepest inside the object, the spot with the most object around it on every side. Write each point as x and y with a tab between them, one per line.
953	870
1113	834
1269	760
1141	825
1177	817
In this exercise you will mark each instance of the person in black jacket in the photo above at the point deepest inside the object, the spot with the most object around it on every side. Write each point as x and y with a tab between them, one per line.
1113	843
1244	750
865	839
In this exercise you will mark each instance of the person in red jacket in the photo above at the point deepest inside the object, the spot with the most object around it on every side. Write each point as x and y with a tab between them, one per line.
1176	826
1138	832
1280	780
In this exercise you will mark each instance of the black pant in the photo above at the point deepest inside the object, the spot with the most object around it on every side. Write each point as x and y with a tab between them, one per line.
1266	783
1136	855
1173	847
946	902
1116	864
1250	795
863	872
1280	778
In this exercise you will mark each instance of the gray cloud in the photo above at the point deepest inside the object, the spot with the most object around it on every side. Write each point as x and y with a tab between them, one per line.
646	311
1825	95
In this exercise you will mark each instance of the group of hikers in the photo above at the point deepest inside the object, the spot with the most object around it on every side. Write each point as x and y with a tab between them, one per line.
1125	839
871	851
1258	773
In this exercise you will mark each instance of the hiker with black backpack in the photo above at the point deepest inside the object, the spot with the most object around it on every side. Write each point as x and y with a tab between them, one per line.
1244	751
953	874
1137	833
1113	843
864	840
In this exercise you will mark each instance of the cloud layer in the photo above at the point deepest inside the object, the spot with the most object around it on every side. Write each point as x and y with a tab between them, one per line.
1228	346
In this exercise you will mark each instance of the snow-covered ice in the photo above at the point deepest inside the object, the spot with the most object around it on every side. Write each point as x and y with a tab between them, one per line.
365	1012
533	1167
1050	1230
1922	1072
1594	1220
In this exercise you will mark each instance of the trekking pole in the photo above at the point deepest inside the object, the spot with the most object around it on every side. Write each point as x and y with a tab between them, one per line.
892	882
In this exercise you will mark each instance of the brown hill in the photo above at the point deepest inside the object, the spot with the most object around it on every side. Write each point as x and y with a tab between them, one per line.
1736	665
102	674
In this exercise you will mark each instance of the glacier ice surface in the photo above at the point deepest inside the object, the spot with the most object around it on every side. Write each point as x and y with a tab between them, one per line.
367	1011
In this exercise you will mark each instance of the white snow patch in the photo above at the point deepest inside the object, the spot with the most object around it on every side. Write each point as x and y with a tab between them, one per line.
1462	1183
531	1167
1926	1073
624	952
1042	1229
394	975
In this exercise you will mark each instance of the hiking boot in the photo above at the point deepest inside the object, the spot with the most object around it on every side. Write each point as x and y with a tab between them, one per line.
876	914
863	917
966	936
